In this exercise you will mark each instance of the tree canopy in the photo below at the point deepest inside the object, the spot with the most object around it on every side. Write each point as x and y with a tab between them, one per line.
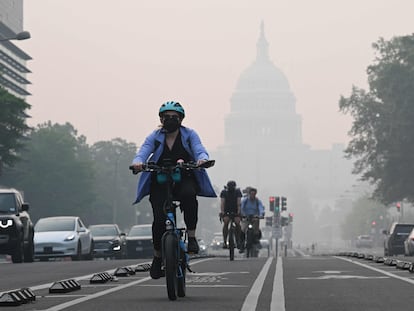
383	128
13	127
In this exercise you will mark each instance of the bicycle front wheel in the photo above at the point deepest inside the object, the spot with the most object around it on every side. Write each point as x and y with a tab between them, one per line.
181	276
170	255
231	243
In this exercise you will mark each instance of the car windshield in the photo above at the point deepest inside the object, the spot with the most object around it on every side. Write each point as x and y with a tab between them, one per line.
103	231
140	231
44	225
7	203
403	229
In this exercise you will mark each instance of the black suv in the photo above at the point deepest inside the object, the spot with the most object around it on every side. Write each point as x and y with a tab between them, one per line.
16	228
394	241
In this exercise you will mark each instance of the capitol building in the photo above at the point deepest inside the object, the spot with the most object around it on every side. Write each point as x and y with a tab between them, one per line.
263	147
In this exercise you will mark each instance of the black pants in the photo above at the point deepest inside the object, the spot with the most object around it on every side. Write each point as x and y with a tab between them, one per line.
185	192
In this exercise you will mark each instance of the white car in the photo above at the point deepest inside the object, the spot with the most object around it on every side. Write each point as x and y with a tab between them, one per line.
64	236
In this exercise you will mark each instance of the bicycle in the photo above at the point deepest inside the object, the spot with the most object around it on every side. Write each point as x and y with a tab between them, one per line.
232	237
174	251
251	239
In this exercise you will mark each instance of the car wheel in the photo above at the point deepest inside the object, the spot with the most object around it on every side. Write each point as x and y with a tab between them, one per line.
29	252
18	253
89	256
78	255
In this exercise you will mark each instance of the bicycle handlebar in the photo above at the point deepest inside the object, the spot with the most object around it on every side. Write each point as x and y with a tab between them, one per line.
152	167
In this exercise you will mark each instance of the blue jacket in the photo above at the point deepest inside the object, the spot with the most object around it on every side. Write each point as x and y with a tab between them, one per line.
152	149
249	207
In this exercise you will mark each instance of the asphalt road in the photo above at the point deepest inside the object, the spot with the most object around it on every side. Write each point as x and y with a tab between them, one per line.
297	282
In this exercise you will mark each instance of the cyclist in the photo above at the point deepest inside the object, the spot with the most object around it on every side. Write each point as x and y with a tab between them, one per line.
251	206
172	142
230	204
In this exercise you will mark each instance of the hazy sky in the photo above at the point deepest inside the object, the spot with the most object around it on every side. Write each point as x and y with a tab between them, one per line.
106	66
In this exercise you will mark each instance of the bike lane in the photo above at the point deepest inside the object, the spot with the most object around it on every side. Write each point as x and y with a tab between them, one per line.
328	283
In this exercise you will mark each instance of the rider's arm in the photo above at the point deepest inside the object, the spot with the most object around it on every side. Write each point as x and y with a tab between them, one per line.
223	201
145	150
243	206
261	209
199	151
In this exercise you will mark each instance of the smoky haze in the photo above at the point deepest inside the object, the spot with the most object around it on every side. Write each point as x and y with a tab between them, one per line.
106	67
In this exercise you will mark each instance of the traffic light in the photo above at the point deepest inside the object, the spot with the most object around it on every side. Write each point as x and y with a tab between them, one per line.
290	218
398	206
373	223
284	221
272	203
269	221
277	203
284	204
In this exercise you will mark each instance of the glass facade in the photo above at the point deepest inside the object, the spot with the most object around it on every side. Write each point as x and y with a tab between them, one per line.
13	68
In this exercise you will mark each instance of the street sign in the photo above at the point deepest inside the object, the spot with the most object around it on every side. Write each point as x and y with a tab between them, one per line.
277	232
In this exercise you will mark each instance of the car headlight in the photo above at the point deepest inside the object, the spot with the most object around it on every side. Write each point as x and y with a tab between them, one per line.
116	248
6	223
70	237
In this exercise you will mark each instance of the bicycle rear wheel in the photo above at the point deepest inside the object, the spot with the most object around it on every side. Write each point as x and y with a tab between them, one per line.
170	255
181	279
231	242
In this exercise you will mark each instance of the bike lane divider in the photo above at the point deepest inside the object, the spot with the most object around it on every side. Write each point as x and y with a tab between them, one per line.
278	293
251	300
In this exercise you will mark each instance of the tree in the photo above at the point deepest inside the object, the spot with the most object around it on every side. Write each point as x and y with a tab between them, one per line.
56	172
114	184
13	127
365	212
383	127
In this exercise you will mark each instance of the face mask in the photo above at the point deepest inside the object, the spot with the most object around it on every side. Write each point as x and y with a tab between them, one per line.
171	124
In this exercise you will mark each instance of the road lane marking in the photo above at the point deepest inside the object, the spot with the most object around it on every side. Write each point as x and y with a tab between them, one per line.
343	277
195	286
278	293
105	292
378	270
250	302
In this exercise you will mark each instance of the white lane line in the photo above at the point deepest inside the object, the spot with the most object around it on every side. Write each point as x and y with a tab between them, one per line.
278	293
250	302
105	292
195	286
411	281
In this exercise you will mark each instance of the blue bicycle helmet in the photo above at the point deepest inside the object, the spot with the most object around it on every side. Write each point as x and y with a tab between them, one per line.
172	106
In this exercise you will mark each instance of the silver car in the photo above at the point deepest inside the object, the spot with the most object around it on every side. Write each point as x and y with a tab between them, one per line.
409	244
64	236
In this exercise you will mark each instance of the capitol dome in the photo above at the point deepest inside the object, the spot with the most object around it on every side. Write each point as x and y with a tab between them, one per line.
262	74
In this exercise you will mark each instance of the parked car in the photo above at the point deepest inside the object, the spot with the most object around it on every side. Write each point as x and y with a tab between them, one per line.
109	241
409	244
16	228
62	237
139	242
364	241
394	240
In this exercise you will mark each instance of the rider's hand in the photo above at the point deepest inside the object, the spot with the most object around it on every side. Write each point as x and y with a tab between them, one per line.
199	162
137	166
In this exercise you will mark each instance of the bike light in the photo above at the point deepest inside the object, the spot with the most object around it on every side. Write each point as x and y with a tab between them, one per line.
7	223
250	226
70	237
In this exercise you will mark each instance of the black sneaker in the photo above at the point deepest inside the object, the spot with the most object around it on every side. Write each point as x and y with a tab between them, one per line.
192	245
155	271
